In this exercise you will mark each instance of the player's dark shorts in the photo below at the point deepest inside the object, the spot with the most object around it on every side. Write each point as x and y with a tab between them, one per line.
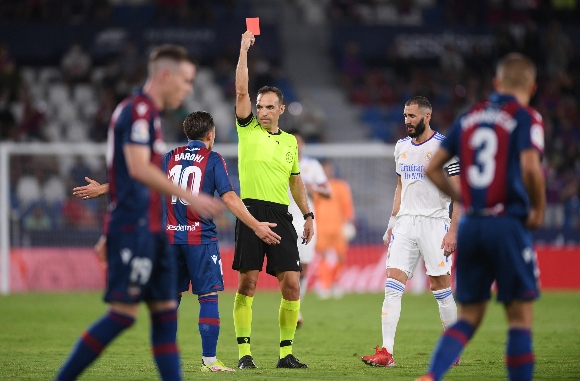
495	249
141	266
250	250
200	264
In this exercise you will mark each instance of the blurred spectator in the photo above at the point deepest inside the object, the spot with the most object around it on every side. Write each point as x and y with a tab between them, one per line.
10	79
311	121
37	219
504	40
28	189
79	171
558	49
570	196
8	127
53	190
172	122
102	117
352	66
31	126
77	214
76	64
131	64
224	75
451	61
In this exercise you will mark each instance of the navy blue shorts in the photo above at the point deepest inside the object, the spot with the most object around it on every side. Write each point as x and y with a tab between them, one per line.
495	249
200	264
141	266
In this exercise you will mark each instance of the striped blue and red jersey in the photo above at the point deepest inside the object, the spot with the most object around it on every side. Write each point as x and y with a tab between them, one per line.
197	169
488	139
135	121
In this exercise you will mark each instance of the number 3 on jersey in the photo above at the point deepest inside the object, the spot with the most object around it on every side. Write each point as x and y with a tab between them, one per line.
484	142
180	176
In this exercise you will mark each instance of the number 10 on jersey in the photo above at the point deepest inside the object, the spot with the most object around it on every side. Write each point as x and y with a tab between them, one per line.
180	176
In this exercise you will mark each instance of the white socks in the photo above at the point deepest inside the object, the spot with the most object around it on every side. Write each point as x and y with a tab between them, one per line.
391	312
447	307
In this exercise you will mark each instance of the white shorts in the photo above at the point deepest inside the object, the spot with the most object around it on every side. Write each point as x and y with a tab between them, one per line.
415	237
306	251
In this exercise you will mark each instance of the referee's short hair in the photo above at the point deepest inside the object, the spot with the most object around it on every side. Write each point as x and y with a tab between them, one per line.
197	125
420	101
272	89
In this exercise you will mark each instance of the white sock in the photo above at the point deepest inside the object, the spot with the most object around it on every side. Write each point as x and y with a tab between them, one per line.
447	307
208	360
391	312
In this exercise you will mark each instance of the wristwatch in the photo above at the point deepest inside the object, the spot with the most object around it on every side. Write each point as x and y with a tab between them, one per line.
308	215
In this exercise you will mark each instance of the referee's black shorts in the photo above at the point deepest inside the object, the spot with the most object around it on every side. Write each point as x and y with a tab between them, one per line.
250	250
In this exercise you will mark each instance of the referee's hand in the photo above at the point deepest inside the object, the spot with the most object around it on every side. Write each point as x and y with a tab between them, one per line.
248	40
266	234
308	231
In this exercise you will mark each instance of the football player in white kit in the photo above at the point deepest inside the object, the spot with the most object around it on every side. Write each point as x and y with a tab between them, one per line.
419	227
315	181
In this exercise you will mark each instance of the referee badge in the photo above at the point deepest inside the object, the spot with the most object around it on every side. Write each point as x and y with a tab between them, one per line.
289	157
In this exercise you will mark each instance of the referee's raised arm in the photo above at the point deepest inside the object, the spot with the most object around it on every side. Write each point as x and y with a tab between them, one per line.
243	104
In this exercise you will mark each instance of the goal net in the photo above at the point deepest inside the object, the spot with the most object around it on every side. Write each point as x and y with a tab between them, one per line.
47	234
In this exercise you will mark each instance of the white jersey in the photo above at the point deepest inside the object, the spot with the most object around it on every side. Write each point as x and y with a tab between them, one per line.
419	196
311	172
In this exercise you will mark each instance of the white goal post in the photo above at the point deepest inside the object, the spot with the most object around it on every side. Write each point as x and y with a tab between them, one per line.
367	167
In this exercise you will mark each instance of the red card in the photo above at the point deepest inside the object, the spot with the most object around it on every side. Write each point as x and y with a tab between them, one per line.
253	25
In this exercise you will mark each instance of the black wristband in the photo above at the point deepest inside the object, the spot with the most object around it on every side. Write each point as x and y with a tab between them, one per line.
308	215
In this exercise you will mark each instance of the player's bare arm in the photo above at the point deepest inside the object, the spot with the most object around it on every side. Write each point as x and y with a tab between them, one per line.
436	173
142	169
394	212
534	182
262	229
93	190
449	243
298	192
243	104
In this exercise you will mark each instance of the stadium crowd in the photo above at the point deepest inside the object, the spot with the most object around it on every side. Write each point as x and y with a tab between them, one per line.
73	102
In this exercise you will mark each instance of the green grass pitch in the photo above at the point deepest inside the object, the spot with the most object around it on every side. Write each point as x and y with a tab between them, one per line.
37	332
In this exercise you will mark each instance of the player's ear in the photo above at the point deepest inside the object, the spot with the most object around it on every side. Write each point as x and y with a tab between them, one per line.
282	108
496	83
533	89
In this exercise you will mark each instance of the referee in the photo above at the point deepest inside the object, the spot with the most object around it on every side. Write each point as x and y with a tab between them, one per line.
268	164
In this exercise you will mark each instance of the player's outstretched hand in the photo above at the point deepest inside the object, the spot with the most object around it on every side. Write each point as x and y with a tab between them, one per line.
205	206
266	234
248	40
93	190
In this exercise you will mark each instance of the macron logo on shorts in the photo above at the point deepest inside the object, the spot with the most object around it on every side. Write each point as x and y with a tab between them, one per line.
183	228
